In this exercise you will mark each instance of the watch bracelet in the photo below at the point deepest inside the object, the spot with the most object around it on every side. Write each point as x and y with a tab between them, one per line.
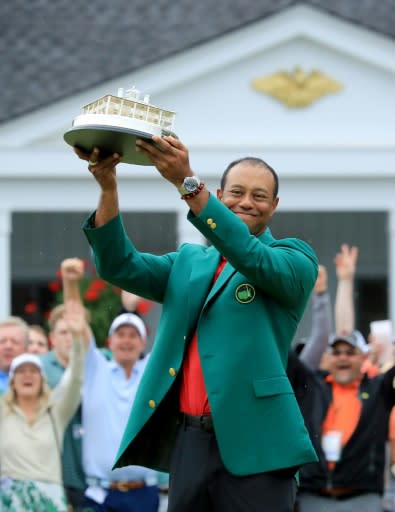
195	193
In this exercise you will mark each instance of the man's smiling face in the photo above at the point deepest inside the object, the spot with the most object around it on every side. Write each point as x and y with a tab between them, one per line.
345	362
249	193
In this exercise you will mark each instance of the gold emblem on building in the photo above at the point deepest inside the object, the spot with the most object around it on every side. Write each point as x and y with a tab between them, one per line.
297	89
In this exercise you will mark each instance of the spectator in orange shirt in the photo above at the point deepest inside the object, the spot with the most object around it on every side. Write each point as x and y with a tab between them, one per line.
348	414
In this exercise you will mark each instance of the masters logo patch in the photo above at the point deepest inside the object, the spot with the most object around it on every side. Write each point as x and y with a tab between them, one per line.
245	293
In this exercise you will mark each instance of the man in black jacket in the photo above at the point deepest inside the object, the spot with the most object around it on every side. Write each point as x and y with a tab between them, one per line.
346	413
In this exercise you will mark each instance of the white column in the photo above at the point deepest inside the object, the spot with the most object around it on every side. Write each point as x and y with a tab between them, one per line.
5	269
186	231
391	266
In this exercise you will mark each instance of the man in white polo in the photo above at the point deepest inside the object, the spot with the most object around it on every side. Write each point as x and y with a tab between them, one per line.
108	393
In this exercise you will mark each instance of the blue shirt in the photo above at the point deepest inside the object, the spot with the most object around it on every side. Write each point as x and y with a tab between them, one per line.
106	402
3	381
53	369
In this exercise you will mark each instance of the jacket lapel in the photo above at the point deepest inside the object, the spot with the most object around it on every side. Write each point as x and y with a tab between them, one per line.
200	280
223	278
228	271
202	276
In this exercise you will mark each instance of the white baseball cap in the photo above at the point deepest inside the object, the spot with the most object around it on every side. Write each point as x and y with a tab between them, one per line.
355	339
23	359
128	319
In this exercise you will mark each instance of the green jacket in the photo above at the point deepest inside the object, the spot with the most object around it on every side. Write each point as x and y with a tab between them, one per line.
245	324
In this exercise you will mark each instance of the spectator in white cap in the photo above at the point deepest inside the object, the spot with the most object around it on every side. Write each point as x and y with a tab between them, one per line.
128	319
108	391
32	425
22	359
127	338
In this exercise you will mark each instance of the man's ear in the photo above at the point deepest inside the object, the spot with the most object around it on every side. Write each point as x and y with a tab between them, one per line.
274	205
219	194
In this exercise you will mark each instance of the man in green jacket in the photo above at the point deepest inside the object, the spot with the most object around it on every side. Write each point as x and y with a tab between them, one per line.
214	407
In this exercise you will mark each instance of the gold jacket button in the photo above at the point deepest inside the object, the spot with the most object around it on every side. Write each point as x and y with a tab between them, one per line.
209	221
213	225
172	372
152	404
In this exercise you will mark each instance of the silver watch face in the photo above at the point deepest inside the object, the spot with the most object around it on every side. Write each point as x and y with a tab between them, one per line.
191	183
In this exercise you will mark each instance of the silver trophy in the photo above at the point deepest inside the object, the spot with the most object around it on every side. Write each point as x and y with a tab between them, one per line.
112	124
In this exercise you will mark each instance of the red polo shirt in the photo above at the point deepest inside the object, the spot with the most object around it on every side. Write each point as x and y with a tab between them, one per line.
193	394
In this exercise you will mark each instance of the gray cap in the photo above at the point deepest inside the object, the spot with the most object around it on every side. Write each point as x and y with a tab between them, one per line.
354	339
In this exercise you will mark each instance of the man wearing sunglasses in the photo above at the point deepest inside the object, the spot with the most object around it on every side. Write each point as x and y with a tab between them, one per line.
348	425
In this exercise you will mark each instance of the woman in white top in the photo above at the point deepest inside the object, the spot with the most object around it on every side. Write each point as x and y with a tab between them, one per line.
32	424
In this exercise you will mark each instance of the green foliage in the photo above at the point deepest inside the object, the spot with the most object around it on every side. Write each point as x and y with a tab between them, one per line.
103	302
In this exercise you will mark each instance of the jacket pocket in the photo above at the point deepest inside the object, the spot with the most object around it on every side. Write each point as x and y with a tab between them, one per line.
272	386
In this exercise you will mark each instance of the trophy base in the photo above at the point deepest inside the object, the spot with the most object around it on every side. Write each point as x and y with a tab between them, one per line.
109	139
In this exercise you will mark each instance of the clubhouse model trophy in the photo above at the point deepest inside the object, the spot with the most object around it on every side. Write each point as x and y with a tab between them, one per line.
112	123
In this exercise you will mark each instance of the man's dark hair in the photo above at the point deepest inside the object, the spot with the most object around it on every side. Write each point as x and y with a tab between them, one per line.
251	160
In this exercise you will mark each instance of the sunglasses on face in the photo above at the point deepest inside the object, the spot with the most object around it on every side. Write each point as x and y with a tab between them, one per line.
346	352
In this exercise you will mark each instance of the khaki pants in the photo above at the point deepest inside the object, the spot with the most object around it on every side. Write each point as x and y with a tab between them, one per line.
369	502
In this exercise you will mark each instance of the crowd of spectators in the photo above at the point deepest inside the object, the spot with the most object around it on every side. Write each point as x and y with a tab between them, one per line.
65	403
64	406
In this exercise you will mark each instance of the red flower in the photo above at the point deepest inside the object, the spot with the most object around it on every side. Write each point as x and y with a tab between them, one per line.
31	307
144	306
91	295
98	285
54	286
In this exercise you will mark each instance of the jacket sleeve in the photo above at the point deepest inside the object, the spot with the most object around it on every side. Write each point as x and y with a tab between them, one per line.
284	269
121	264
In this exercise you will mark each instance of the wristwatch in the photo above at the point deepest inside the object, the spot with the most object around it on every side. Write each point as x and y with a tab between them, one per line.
191	185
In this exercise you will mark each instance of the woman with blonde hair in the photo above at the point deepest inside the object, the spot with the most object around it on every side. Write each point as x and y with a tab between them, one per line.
32	424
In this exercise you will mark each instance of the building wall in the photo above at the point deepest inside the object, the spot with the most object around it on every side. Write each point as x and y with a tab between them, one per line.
326	232
41	240
335	156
